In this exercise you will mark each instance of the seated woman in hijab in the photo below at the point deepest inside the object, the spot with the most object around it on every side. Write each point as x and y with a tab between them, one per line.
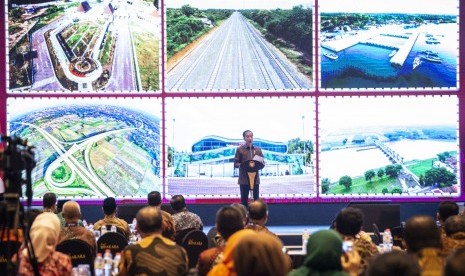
325	257
44	238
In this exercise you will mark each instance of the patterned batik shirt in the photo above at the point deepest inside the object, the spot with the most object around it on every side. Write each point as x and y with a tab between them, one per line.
187	220
153	255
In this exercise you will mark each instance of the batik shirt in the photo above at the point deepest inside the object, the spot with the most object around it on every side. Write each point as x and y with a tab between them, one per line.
153	255
187	220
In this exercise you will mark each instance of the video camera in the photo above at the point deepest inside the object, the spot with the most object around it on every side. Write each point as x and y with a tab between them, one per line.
16	163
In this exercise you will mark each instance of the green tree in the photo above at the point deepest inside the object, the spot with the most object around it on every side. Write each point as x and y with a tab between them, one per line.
325	185
443	156
345	181
396	191
369	175
187	10
14	14
385	191
440	176
392	170
380	173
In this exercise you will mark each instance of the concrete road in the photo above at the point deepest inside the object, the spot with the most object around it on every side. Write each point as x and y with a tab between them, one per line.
235	56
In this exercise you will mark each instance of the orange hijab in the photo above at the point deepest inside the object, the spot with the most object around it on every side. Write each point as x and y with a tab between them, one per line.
226	266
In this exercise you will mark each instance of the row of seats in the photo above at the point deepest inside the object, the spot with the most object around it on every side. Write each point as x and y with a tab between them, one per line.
193	241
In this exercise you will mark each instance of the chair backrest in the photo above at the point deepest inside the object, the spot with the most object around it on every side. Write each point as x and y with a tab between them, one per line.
179	236
398	236
79	251
7	250
377	235
114	241
194	242
119	230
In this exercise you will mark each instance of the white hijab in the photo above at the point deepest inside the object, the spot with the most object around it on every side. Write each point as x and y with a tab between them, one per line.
44	235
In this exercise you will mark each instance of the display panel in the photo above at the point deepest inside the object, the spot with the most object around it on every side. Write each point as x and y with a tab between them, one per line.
389	146
218	46
202	145
91	147
376	44
85	46
212	69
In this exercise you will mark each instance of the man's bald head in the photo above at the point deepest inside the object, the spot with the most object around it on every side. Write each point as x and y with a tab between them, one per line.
421	232
71	211
149	220
258	210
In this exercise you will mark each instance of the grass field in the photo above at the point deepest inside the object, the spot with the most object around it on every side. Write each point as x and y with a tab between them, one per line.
147	54
420	167
361	186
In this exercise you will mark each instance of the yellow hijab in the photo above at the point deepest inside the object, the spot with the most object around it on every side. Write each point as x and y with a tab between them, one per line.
226	266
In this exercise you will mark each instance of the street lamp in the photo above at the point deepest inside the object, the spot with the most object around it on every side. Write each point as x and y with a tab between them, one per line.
303	138
172	151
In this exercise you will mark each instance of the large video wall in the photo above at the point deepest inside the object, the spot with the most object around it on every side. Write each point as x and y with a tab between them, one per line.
348	100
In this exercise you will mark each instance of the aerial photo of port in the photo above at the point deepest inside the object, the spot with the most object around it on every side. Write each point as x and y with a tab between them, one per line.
86	46
201	146
90	148
239	46
389	147
376	44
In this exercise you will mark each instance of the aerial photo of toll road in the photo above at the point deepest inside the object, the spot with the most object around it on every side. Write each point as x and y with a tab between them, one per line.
90	147
85	46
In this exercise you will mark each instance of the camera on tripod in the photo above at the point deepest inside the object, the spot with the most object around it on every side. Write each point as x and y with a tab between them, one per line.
16	164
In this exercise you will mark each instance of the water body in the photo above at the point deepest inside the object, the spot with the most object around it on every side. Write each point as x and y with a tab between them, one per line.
367	66
355	162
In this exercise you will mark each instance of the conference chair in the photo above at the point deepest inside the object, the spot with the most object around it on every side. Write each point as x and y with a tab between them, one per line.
79	251
7	250
398	236
194	242
114	241
179	236
118	230
377	238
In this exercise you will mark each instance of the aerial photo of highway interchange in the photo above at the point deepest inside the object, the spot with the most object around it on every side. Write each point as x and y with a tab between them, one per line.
91	148
84	46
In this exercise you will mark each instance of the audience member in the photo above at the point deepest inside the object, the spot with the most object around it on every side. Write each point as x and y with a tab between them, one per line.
258	216
183	219
49	202
168	228
60	204
423	239
325	256
154	254
214	237
348	224
72	230
226	266
393	263
454	228
243	211
44	238
446	209
455	263
109	209
228	221
260	255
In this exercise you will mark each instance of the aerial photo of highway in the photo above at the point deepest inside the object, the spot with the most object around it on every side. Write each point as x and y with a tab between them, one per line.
235	50
90	148
95	46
